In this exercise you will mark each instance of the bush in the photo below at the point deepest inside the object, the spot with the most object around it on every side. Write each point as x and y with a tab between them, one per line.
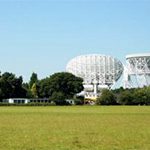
61	102
107	98
142	96
137	96
79	102
126	98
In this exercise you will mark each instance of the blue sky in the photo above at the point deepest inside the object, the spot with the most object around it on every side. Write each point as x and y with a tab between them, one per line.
42	36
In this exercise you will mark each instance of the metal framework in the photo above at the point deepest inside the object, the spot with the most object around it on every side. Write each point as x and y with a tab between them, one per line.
98	72
137	71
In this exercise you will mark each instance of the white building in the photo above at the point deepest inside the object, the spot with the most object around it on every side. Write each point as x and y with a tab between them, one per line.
26	100
17	100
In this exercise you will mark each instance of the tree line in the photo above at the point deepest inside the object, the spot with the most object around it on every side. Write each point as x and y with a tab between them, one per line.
59	86
134	96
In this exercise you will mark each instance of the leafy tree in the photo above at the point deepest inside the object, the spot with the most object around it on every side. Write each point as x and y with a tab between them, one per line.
28	91
11	86
34	90
44	88
142	96
58	98
126	98
5	89
33	79
135	96
19	91
107	98
63	82
66	83
147	91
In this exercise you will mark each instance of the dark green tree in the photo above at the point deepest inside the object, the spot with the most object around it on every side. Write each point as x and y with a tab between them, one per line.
147	91
11	86
58	98
63	82
33	79
106	98
44	88
27	88
126	97
142	96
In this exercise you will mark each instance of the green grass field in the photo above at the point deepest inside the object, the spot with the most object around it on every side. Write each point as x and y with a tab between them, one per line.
75	128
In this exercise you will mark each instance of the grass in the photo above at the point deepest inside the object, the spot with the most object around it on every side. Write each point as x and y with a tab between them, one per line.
75	128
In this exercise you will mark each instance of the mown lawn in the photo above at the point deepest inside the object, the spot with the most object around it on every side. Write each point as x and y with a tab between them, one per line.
75	128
